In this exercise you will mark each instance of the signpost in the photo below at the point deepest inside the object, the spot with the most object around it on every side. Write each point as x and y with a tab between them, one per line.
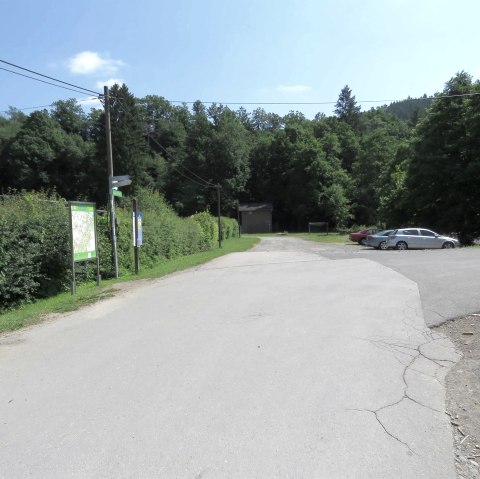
114	182
137	233
83	236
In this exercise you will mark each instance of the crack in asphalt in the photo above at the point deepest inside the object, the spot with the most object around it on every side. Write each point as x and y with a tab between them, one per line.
414	352
375	413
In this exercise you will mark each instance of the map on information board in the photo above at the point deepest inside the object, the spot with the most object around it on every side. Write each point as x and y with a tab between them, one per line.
83	231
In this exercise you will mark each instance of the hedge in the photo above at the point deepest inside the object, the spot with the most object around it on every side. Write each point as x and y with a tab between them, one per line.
35	243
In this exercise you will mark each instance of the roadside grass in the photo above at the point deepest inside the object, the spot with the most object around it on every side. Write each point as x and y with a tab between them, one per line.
37	312
318	237
326	238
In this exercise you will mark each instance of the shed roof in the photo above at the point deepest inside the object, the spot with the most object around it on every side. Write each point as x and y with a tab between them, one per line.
255	207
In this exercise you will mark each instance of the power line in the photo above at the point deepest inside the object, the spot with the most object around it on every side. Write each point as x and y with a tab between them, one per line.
439	97
28	108
189	102
43	81
205	183
50	78
47	106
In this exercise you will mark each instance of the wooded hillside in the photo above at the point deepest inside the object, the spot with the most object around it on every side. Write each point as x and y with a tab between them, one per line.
355	167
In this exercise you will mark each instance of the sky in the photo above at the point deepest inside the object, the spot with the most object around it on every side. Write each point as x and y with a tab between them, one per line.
250	52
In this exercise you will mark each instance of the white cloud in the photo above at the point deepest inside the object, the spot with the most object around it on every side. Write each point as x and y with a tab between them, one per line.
87	62
293	88
110	83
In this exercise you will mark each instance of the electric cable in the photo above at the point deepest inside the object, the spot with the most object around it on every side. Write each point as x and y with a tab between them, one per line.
48	106
439	97
50	78
205	183
43	81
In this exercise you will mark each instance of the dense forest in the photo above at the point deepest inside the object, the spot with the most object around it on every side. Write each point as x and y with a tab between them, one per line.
412	162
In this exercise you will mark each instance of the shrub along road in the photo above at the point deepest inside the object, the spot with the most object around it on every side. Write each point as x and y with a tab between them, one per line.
270	363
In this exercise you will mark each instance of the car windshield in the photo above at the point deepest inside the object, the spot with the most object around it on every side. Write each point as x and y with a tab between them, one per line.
383	233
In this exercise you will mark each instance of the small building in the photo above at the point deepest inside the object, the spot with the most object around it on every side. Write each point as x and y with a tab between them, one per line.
256	217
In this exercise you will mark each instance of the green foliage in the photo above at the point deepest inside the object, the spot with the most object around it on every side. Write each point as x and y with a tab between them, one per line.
35	244
229	228
347	109
34	248
209	226
411	109
442	175
410	162
299	170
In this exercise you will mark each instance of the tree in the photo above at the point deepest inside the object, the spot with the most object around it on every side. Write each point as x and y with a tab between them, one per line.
305	182
347	109
70	116
129	146
43	156
378	150
442	176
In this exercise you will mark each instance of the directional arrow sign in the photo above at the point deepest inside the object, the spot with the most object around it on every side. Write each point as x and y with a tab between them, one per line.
121	178
124	180
121	183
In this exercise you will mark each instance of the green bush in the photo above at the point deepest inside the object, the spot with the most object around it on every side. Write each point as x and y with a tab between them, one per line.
209	227
229	228
34	248
35	258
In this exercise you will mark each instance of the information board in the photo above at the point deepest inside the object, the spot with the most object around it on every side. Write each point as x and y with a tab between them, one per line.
84	243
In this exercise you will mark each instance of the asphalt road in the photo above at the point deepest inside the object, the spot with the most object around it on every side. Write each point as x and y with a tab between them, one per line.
276	363
448	280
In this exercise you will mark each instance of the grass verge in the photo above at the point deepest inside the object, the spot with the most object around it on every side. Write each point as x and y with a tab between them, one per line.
318	237
89	293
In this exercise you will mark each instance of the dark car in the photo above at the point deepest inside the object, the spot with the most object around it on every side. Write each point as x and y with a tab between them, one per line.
360	237
378	240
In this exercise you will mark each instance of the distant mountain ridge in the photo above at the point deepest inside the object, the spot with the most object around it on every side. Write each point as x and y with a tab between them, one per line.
411	108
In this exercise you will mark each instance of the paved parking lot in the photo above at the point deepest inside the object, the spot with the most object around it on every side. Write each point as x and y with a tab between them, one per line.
272	363
448	280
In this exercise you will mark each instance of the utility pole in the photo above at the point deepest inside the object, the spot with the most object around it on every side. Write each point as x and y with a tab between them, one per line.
219	223
111	199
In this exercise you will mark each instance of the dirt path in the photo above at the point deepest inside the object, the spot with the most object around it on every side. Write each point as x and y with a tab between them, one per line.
463	394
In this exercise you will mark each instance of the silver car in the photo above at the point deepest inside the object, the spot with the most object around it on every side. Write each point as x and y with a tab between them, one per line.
378	240
419	238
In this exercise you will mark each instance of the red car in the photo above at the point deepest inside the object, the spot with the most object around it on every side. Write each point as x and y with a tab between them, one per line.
360	237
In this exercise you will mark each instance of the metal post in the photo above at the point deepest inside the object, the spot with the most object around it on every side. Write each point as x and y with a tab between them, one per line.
219	222
73	287
111	199
238	219
96	248
135	235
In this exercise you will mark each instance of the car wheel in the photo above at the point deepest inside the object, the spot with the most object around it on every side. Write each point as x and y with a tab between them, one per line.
448	245
401	245
362	241
383	245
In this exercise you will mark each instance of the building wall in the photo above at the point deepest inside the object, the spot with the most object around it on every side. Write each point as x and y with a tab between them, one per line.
256	222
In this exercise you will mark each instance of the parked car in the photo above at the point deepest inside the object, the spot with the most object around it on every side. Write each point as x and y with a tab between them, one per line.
378	240
360	237
419	238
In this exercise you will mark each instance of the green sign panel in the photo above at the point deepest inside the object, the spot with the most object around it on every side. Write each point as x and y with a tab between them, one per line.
84	244
117	193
